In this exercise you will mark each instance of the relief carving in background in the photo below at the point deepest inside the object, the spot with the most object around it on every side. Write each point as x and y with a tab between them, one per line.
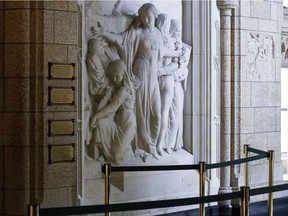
260	57
136	78
284	47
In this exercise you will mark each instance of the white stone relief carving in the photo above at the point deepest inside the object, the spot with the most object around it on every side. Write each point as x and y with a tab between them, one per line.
260	56
284	47
134	105
216	119
216	63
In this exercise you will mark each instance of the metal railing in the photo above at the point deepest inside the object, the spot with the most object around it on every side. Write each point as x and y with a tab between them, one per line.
245	193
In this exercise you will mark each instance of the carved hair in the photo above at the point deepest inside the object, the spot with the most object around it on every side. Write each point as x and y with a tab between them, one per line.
116	64
163	24
148	7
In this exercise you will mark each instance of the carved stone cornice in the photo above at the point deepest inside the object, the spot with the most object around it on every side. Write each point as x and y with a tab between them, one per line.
227	4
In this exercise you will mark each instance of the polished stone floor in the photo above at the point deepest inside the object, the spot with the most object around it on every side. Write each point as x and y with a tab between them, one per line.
255	209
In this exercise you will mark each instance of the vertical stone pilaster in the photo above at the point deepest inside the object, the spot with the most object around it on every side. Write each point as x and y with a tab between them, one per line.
226	16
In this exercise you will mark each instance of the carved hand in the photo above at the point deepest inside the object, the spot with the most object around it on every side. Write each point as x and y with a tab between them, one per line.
98	30
93	121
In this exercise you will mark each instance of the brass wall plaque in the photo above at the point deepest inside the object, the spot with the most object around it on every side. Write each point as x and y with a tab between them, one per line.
61	96
62	153
61	71
61	127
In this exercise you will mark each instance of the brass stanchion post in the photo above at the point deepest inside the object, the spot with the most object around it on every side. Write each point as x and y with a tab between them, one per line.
245	200
107	186
33	210
202	169
246	152
271	179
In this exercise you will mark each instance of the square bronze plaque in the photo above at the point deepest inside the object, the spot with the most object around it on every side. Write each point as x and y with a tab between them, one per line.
62	153
61	71
61	127
61	96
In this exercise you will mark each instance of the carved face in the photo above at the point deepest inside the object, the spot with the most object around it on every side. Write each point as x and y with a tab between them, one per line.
116	77
147	19
177	34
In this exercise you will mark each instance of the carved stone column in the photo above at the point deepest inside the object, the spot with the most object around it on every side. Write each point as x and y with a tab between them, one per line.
226	15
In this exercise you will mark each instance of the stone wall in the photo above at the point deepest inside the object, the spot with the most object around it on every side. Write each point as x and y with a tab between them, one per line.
35	33
258	56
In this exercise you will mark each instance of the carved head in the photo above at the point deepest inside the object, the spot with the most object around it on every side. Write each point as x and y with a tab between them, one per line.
175	29
116	72
95	45
163	23
148	14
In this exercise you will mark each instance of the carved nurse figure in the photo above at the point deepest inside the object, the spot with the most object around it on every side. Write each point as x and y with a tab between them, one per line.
175	135
114	122
166	81
141	45
99	54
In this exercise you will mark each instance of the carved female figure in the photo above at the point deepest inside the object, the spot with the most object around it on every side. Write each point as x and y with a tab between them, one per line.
114	122
141	47
175	135
166	82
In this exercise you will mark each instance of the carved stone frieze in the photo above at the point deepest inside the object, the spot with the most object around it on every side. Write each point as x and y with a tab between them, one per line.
137	68
260	54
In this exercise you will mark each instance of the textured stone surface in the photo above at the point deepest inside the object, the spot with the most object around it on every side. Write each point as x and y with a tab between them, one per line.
16	197
59	175
262	10
55	197
21	67
247	120
72	6
18	4
259	93
48	26
20	177
249	23
18	123
55	5
54	53
245	8
274	94
245	94
65	27
268	25
17	26
17	94
265	119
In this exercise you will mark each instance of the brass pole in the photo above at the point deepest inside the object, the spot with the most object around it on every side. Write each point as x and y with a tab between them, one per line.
33	210
202	169
245	200
246	152
107	186
271	179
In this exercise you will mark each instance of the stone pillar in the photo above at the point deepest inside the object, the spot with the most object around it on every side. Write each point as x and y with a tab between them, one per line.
33	33
226	16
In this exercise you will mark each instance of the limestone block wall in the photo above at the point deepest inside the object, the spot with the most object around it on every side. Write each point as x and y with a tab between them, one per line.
34	33
257	69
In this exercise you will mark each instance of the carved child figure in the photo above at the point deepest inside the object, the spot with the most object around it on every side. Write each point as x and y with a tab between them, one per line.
114	123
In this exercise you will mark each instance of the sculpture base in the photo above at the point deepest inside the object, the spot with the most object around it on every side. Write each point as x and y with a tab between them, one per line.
144	186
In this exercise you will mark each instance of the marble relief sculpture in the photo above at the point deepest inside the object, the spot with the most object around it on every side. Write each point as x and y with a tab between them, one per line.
175	133
131	86
114	121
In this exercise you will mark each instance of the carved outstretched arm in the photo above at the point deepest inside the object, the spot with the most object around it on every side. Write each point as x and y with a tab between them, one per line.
102	32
